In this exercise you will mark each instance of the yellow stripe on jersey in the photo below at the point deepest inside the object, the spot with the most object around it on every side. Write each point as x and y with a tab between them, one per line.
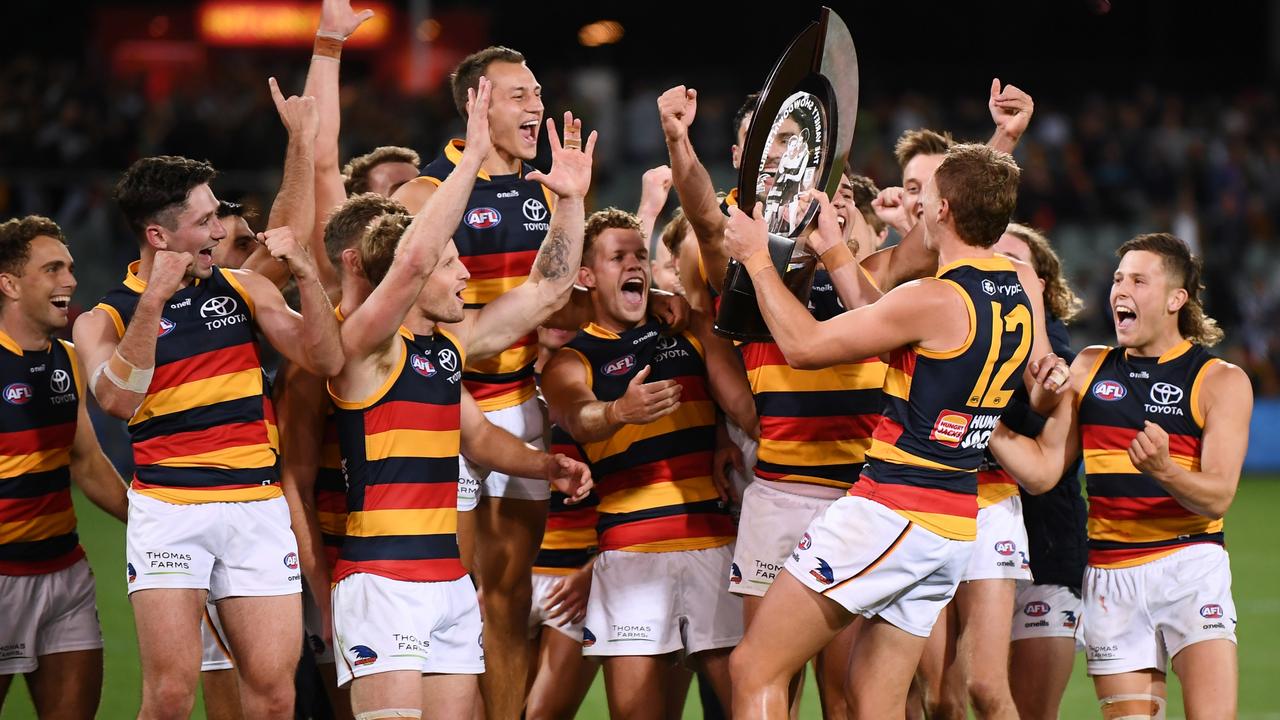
881	450
507	361
1140	560
897	383
569	539
689	415
678	544
859	376
1149	529
948	526
383	523
236	458
1117	461
12	466
991	493
42	527
183	496
199	393
811	452
657	495
411	444
488	290
508	400
332	523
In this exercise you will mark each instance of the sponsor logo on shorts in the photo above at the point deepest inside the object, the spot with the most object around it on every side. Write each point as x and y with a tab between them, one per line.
421	365
166	327
1069	619
588	637
806	542
18	393
735	573
364	655
621	366
1036	609
1212	611
15	651
949	428
410	646
168	563
482	217
630	633
766	571
1006	547
130	572
1103	652
823	572
1109	390
291	561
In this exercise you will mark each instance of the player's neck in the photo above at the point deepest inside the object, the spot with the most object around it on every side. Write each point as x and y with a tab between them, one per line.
28	334
952	249
419	324
498	162
614	325
1164	341
354	292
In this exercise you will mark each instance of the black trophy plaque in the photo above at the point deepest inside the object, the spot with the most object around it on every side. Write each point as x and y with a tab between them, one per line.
798	139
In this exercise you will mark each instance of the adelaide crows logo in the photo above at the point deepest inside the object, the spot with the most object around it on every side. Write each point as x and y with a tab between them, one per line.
364	655
823	572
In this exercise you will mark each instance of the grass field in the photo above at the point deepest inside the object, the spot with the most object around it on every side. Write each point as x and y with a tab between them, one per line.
1251	532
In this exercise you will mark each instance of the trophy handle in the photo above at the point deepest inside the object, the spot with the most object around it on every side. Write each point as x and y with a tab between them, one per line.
739	317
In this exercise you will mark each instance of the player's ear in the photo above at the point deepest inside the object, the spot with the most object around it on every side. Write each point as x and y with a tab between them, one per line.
9	286
351	262
156	236
1177	299
586	278
736	155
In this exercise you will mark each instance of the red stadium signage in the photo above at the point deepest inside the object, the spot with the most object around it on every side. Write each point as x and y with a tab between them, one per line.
252	23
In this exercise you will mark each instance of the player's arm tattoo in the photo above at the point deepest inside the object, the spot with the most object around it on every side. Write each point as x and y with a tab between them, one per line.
553	256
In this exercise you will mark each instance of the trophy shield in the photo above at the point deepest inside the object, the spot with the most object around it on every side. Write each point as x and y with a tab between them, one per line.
798	140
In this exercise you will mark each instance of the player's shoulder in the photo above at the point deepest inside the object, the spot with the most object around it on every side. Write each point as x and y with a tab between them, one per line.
1221	376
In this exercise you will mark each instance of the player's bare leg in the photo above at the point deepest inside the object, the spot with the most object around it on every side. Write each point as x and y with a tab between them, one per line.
265	634
394	690
1210	678
67	685
1038	694
509	533
447	697
339	698
880	670
633	682
1129	693
168	623
564	677
985	609
713	666
679	679
221	694
750	606
831	667
939	702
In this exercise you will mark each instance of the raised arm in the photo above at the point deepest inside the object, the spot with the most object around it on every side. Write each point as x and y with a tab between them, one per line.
120	366
1011	111
677	108
294	205
909	259
93	472
1226	404
488	445
655	185
378	318
827	241
522	309
726	376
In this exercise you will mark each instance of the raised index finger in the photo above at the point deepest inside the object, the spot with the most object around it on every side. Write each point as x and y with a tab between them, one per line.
276	95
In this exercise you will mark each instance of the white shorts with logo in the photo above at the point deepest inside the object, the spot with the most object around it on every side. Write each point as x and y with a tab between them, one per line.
1141	616
215	653
543	585
527	422
45	614
1001	550
874	561
312	628
1048	611
654	603
771	524
230	549
381	625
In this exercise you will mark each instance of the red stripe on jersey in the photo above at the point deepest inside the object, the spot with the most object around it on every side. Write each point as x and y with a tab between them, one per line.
20	509
500	265
818	429
693	388
1106	437
439	570
888	431
410	496
42	567
49	437
220	437
1137	508
572	519
640	532
915	498
203	366
483	390
681	467
411	415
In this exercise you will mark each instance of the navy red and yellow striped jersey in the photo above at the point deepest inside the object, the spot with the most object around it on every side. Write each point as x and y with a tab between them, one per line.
654	480
331	492
570	538
506	220
41	399
1132	519
400	460
206	429
940	407
815	425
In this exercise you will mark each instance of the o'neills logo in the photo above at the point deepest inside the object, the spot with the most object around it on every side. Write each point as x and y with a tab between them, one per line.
950	427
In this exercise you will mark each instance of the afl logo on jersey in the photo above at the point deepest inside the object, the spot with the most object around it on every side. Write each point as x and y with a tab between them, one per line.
166	327
17	393
421	365
1109	390
482	217
621	366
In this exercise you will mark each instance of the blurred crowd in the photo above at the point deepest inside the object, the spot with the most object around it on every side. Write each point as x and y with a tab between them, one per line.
1097	169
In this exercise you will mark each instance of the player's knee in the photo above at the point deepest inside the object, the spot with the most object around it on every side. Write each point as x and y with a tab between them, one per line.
989	694
746	671
168	698
1132	706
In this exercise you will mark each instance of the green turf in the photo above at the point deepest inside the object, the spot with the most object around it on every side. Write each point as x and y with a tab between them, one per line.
1250	530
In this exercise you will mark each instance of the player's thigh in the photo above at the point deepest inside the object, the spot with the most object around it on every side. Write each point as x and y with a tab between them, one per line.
1039	670
67	684
563	678
985	610
508	534
221	694
883	661
633	683
395	689
339	698
446	697
791	625
1210	676
265	634
168	626
1127	693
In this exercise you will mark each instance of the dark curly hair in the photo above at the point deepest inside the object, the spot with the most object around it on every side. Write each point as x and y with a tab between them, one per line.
154	187
16	236
355	176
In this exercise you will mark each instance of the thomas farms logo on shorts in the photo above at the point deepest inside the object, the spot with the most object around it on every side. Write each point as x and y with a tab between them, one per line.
823	573
17	393
1036	609
621	366
421	365
291	561
950	427
1212	611
1006	547
1109	390
482	217
588	637
364	655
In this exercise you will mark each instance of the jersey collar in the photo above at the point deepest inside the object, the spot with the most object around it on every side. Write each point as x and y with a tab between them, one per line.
453	153
137	284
